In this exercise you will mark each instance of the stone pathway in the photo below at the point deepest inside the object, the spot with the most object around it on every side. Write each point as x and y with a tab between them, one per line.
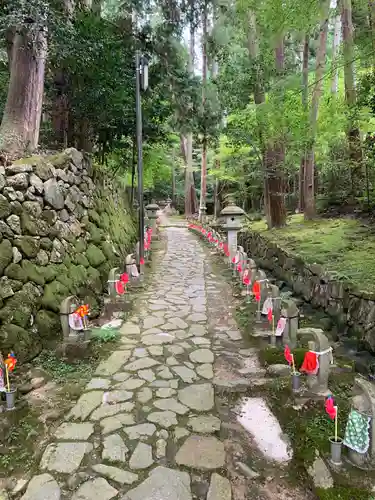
149	424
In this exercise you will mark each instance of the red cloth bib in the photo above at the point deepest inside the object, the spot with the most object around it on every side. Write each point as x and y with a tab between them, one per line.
310	364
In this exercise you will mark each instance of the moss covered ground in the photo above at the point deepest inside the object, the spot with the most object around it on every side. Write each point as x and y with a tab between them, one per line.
345	247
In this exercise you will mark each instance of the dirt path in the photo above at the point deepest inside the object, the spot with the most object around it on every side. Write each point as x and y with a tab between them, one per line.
159	420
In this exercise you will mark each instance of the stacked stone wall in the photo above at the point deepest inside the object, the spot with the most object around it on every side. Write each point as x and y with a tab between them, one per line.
352	310
62	227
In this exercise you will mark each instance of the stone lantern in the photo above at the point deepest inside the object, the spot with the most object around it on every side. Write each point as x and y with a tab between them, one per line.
233	216
152	214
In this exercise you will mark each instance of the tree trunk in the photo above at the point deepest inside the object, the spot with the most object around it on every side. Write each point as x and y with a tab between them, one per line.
353	135
310	210
259	99
174	201
371	8
85	136
305	105
335	49
61	118
21	119
216	199
274	159
202	201
191	200
134	154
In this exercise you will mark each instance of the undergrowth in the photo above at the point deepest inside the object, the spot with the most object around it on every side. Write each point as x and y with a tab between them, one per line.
17	440
60	370
104	335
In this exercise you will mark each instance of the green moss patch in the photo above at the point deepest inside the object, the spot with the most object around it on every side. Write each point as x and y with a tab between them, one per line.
342	493
28	245
18	439
275	355
6	255
17	339
34	273
48	324
94	255
16	272
344	247
54	293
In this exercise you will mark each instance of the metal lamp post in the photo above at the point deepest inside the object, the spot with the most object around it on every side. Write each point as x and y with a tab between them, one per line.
141	68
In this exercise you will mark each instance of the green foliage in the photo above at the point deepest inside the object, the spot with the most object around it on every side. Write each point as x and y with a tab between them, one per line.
60	370
18	439
344	493
104	335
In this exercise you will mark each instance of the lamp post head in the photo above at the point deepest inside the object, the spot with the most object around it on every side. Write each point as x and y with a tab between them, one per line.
152	210
233	215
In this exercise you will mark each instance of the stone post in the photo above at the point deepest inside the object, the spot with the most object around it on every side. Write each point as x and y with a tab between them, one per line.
131	269
67	307
253	270
263	282
232	225
291	313
75	341
113	276
318	384
364	402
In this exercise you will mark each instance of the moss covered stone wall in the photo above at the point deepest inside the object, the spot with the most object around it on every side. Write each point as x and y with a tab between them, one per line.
62	227
353	311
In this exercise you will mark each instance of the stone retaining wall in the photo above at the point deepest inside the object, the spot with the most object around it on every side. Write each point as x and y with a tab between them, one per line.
62	227
353	311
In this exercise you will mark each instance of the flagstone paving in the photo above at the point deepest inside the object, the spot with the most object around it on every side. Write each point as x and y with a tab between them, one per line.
147	426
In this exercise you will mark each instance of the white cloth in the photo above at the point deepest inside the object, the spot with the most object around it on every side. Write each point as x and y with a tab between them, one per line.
280	326
326	351
135	272
267	305
75	321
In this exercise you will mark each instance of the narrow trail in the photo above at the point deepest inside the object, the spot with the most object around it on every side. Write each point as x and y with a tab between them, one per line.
157	422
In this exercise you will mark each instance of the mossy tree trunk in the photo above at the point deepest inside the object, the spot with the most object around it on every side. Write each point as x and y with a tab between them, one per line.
305	96
202	201
274	157
309	184
19	130
259	98
353	134
191	200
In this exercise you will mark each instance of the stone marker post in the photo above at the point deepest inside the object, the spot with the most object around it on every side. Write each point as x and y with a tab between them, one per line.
232	225
290	312
318	384
76	338
67	307
274	295
261	277
253	270
113	277
364	403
